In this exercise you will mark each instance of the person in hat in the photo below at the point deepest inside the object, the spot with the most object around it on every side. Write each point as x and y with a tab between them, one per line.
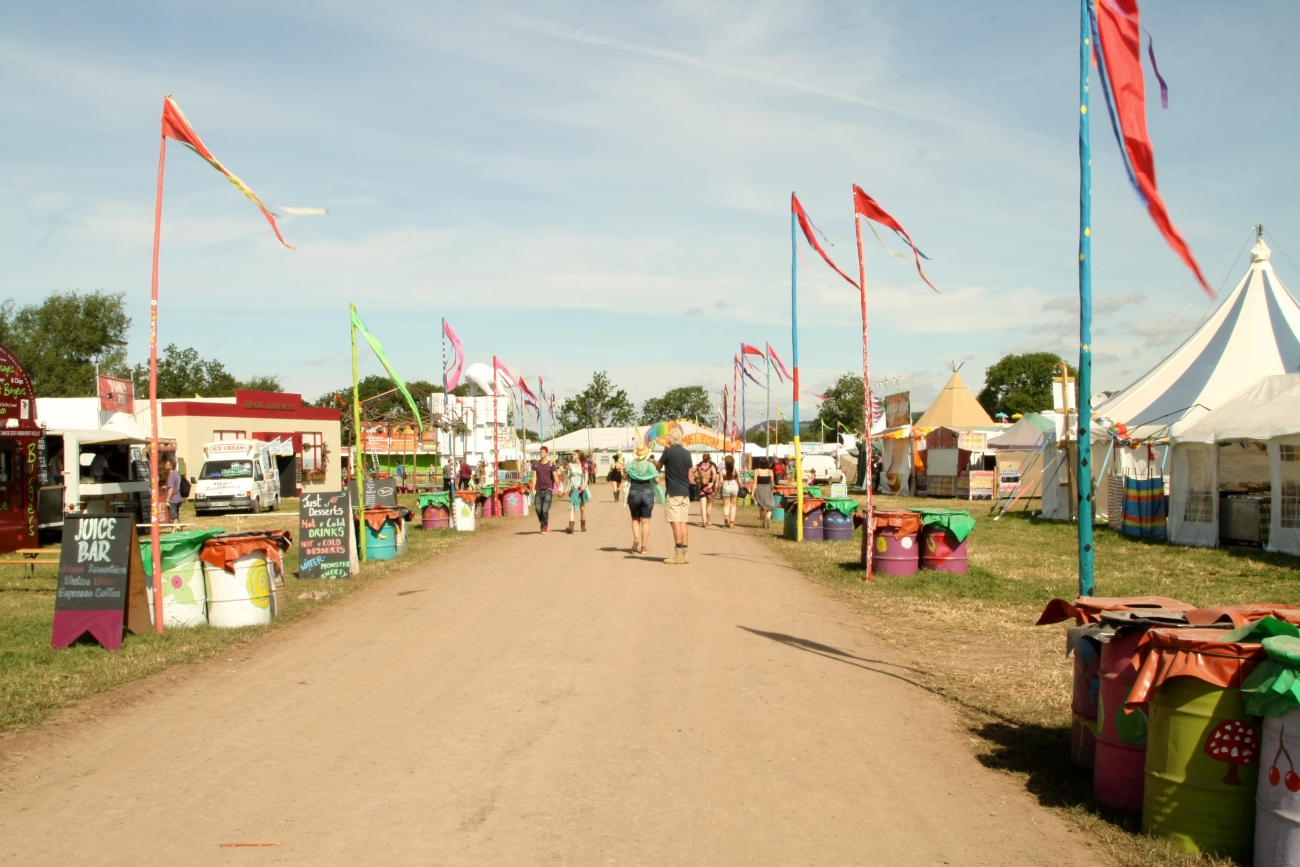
641	476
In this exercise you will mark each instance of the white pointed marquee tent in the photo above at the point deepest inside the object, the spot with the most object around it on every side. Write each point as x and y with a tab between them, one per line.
1254	332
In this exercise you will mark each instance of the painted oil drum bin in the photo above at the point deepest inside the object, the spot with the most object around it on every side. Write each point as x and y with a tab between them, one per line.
778	510
491	505
896	551
435	510
812	522
381	535
1121	734
837	526
513	504
240	594
185	593
1202	762
944	533
1273	692
462	515
1083	701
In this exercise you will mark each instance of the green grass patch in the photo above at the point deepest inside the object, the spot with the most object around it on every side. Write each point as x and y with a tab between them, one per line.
36	679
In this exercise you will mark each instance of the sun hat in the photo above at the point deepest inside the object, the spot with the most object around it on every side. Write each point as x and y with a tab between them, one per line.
642	451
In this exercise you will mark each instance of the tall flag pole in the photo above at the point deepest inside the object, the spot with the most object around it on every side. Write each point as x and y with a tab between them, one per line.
1084	444
358	453
496	425
864	447
735	386
794	374
174	125
446	395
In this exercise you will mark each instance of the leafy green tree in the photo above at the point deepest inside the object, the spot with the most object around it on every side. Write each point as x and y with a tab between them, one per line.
600	404
843	405
688	401
261	383
184	373
1020	383
60	340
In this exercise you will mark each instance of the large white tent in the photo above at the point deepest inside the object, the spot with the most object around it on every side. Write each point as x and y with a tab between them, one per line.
1255	332
1248	449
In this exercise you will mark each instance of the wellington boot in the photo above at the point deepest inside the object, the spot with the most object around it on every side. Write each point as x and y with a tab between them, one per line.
570	530
584	526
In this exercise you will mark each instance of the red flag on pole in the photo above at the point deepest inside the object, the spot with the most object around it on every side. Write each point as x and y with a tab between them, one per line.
865	206
746	349
806	225
176	126
779	366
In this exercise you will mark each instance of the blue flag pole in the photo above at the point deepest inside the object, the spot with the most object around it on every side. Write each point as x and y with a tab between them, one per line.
794	374
1083	472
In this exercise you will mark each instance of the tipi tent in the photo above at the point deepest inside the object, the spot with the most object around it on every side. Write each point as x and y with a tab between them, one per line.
956	408
1249	449
1255	332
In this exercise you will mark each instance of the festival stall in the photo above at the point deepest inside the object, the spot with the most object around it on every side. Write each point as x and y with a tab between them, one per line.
1018	457
1235	474
957	428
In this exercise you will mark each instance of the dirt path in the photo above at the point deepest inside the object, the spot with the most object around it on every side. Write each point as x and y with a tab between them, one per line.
530	700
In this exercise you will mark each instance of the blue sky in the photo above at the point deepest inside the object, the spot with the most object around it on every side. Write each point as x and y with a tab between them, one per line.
582	186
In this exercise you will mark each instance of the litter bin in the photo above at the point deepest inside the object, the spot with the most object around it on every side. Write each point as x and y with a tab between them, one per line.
242	571
1273	691
435	510
383	528
812	520
896	551
462	515
943	539
185	596
837	519
1202	764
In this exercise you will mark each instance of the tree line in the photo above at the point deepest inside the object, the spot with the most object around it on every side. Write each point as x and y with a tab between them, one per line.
62	339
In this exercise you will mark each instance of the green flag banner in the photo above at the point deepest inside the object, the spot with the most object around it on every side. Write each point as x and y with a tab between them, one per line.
383	359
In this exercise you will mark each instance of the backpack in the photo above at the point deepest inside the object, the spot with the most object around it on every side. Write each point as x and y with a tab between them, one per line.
185	488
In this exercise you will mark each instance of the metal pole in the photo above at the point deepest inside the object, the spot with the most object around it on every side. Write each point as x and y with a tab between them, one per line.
155	540
867	544
1084	449
358	453
794	375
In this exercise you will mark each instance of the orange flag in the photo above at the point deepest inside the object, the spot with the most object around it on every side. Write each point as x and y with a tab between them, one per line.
175	125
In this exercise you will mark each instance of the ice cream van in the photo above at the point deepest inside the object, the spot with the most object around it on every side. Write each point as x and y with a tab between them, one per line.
237	476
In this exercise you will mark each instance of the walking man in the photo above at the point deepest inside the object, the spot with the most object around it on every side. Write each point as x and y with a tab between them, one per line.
543	487
676	465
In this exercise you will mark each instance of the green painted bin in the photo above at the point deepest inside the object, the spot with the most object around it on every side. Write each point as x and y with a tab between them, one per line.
1202	803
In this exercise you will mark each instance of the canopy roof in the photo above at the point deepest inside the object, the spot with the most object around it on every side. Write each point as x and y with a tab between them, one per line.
1025	433
1269	408
955	407
1255	332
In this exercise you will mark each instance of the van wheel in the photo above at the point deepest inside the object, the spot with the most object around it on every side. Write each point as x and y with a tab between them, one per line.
275	507
257	505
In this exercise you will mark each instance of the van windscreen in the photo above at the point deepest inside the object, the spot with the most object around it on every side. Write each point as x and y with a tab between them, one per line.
227	470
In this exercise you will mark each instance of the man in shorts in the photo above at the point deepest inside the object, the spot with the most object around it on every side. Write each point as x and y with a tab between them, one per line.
676	465
543	487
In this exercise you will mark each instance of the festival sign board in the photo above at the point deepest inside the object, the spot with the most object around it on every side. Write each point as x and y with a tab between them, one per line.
898	409
379	492
101	583
325	535
116	395
973	440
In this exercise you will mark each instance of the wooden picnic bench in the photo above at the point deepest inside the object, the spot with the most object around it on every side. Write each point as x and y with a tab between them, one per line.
33	557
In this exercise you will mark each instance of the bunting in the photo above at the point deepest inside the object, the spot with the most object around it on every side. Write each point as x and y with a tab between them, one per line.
383	359
176	126
779	366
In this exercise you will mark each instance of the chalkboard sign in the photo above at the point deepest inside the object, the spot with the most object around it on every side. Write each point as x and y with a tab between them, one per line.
101	581
379	492
325	537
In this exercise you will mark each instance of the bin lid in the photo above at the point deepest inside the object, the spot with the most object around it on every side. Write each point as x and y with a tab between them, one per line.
176	547
1283	648
843	505
1200	652
955	521
1087	609
435	498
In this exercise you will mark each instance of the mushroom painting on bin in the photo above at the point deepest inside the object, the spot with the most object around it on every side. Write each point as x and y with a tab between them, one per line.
1233	741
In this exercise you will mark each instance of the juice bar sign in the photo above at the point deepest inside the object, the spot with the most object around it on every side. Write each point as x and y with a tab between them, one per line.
101	582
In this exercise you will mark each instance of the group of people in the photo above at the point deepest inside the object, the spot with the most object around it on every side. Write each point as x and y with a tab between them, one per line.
683	481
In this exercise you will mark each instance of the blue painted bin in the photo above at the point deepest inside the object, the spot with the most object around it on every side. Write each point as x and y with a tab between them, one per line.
383	544
837	526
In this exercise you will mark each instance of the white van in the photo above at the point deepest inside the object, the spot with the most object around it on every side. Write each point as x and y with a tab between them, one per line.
823	469
237	476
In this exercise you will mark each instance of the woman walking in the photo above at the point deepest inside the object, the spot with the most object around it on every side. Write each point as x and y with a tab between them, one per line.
576	476
706	476
641	476
763	491
730	490
615	476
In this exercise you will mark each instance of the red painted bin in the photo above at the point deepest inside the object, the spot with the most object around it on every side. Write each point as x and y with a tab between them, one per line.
435	518
512	504
939	552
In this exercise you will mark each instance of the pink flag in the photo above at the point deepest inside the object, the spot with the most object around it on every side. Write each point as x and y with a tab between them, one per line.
505	374
453	376
779	366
